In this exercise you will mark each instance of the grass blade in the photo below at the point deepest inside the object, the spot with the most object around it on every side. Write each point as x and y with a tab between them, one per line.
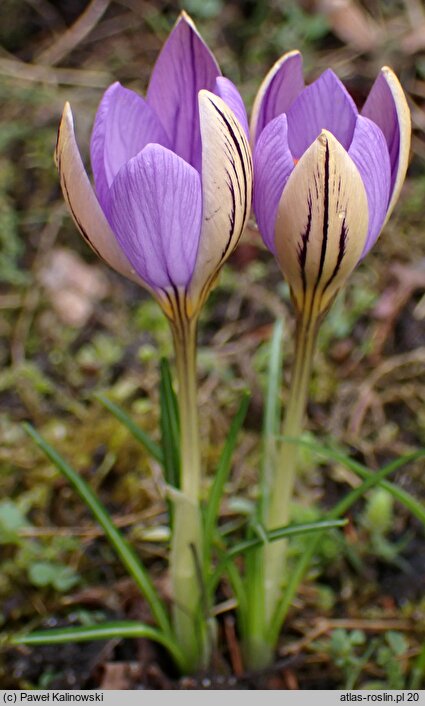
340	508
415	507
254	561
153	448
226	555
284	532
417	674
222	473
238	587
101	631
169	420
124	551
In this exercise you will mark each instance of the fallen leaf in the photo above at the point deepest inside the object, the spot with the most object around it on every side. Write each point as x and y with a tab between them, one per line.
72	286
351	23
119	675
406	280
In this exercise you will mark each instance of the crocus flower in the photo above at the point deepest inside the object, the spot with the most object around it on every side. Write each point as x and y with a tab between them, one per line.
172	175
326	177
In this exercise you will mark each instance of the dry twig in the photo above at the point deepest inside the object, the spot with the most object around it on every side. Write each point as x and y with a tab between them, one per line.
75	34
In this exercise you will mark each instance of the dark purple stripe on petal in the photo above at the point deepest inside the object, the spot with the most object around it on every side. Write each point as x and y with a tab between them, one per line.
302	248
232	216
231	96
75	216
325	215
238	145
343	236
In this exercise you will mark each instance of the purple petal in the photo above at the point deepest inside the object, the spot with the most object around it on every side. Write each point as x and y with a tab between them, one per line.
282	85
231	96
124	124
273	163
184	66
386	106
369	153
82	202
155	209
380	108
324	105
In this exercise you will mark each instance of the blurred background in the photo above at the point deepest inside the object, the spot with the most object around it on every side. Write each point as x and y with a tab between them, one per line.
69	327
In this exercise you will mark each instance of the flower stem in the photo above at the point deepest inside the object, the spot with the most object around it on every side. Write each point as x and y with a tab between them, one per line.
284	478
185	351
186	559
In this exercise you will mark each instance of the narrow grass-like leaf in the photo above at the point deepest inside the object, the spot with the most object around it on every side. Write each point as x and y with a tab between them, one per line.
100	631
340	508
153	448
418	671
124	551
414	506
254	560
284	532
222	473
228	554
238	586
169	420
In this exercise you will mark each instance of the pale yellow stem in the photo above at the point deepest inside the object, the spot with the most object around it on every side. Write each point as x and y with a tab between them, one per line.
185	352
186	547
284	477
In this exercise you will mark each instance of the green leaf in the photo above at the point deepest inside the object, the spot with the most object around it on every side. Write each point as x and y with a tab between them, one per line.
417	674
226	555
12	519
222	473
101	631
65	578
169	420
340	508
138	433
41	573
254	561
412	504
124	551
282	533
48	573
397	642
238	586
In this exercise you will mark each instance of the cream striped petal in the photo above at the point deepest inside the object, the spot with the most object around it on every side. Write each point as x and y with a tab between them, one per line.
226	192
82	202
321	224
405	125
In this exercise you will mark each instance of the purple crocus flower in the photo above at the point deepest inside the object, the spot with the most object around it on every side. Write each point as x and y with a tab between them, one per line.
172	175
326	177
